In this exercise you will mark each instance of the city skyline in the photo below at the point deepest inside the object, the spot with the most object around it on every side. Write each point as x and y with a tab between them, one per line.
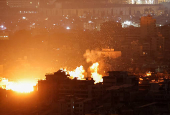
84	57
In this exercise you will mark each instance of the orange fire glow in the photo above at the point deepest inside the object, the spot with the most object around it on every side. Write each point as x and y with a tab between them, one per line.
141	79
79	73
94	73
148	73
25	86
21	86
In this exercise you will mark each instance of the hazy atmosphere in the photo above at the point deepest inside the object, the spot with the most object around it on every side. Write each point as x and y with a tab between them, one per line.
89	57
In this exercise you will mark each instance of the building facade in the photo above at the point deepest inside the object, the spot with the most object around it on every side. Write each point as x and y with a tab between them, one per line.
22	3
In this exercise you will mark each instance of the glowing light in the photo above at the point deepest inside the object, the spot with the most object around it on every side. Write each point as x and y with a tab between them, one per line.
90	22
94	73
2	26
21	86
78	72
23	18
142	2
129	23
68	28
148	74
46	18
141	79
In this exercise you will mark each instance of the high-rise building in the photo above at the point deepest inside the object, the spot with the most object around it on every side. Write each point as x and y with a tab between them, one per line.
161	1
141	1
148	26
46	3
22	3
150	36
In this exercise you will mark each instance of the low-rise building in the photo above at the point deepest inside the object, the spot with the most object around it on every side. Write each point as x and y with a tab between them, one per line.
58	85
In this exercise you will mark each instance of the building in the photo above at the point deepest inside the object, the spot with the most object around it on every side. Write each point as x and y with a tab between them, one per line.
147	1
4	35
70	105
58	85
110	53
148	26
82	9
117	78
92	25
46	3
162	1
153	41
22	3
3	8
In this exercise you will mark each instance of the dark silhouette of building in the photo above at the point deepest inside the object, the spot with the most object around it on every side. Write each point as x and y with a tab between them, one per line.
119	78
58	85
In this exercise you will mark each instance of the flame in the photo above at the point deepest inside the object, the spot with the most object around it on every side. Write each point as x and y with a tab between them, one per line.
21	86
141	79
148	74
78	72
94	73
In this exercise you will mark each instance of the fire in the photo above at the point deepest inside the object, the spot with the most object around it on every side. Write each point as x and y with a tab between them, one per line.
21	86
141	79
148	74
79	73
94	73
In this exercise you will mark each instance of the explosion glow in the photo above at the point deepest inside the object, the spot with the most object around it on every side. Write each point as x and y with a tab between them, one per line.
148	73
21	86
95	75
79	73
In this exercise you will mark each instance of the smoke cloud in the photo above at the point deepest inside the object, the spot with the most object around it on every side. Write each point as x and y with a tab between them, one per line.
102	57
92	55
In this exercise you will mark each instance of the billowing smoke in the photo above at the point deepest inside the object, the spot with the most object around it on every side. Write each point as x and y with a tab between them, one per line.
92	55
96	55
98	65
103	57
